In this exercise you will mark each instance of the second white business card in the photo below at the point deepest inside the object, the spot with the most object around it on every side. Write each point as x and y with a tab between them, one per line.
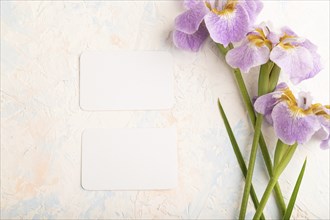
126	80
129	159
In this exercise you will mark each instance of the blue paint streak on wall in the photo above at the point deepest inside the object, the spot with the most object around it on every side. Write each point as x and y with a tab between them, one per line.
44	204
97	203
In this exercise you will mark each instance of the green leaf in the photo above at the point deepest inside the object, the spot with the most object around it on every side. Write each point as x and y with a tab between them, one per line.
249	106
278	169
293	197
238	154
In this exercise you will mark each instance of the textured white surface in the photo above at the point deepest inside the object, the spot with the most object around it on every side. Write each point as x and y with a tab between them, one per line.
41	122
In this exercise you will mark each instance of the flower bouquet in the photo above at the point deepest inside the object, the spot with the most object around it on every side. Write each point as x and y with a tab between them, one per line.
295	119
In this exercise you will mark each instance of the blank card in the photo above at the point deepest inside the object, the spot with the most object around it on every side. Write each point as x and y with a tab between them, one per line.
126	80
129	159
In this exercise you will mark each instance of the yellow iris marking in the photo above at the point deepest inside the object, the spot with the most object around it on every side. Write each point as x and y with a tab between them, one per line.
319	110
208	5
316	109
286	45
260	40
227	9
286	36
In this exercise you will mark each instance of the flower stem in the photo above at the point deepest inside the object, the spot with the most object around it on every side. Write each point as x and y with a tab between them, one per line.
263	146
245	95
277	172
279	199
238	155
279	151
263	83
273	78
248	181
262	143
266	195
263	86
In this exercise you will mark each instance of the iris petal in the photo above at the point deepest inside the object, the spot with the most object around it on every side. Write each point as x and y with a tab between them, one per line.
247	56
296	61
253	8
324	132
191	4
265	104
191	42
189	21
317	65
292	128
228	27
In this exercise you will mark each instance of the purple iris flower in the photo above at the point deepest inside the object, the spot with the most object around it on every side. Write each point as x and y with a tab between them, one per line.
294	120
253	51
323	113
225	21
190	30
296	56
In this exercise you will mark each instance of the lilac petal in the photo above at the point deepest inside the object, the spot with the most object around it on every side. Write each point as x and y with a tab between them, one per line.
297	62
309	45
317	65
190	41
273	37
259	4
281	86
191	4
265	104
225	29
247	56
189	21
288	31
291	127
324	132
253	8
325	144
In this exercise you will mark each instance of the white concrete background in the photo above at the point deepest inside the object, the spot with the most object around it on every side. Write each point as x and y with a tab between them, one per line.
41	122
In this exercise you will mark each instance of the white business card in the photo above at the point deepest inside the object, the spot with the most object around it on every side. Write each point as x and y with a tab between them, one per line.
126	80
129	159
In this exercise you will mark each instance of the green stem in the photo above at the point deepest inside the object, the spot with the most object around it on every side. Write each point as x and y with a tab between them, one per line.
278	193
279	151
268	191
279	199
252	160
274	76
262	143
277	172
263	83
245	95
263	146
263	86
239	155
222	49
